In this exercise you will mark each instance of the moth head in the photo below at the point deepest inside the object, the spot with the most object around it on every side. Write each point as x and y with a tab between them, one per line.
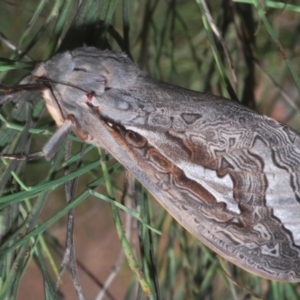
90	69
81	76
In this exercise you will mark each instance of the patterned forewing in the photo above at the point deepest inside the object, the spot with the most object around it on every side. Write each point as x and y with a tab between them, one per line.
230	176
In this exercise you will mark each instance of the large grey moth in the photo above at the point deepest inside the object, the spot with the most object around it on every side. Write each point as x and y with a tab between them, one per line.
227	174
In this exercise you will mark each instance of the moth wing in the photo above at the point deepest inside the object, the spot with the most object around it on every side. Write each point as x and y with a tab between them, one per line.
228	175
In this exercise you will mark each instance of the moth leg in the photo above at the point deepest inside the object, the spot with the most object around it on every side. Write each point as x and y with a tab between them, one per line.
51	146
57	139
125	187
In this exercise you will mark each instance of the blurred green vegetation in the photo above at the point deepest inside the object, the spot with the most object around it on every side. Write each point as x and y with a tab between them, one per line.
237	49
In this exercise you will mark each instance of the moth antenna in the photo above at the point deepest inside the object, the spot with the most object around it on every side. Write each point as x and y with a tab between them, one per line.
48	80
16	91
20	88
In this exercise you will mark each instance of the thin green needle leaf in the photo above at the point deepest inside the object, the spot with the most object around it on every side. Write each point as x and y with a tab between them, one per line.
124	208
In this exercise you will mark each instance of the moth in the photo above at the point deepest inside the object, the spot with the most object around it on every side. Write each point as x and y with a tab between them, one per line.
230	176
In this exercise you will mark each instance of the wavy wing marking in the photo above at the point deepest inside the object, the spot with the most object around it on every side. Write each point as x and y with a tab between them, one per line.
234	183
